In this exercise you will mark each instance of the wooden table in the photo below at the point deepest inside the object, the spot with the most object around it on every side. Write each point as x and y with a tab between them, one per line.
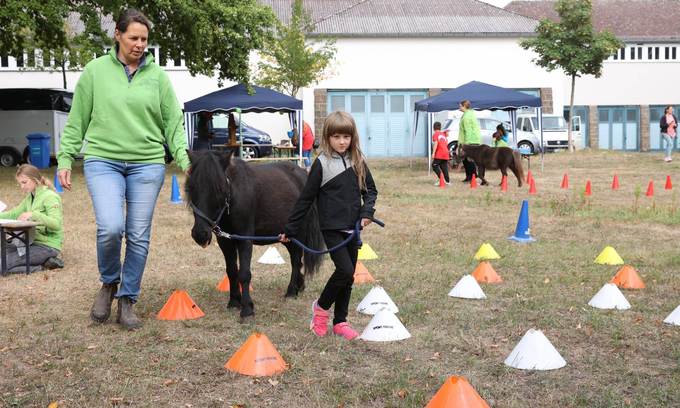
19	230
288	150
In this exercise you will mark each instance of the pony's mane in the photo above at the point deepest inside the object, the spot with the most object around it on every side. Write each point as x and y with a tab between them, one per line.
207	175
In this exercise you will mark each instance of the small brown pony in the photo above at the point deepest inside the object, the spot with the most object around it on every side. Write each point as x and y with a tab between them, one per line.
494	158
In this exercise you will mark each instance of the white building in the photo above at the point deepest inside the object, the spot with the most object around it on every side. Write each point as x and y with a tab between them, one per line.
394	52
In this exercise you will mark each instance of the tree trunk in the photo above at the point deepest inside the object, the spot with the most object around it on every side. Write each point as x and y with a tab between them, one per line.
570	139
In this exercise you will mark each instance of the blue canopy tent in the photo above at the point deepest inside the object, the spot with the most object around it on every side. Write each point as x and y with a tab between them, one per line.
482	96
237	99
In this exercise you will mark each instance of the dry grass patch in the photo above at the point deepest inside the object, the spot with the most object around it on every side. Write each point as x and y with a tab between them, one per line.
50	351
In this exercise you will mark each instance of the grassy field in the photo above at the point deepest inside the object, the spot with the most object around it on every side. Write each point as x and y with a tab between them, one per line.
51	352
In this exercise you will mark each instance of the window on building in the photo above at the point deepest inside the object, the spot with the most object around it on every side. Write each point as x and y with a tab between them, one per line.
4	61
650	52
337	103
632	53
20	60
30	61
639	52
615	56
604	115
673	55
667	53
152	51
377	103
656	53
623	53
397	103
177	61
162	58
358	104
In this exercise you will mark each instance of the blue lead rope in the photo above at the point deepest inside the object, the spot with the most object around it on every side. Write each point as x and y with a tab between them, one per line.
356	232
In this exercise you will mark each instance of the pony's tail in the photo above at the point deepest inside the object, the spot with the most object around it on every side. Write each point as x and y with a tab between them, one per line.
314	239
519	170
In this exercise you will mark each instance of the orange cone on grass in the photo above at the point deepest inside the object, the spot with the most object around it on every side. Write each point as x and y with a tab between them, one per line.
504	184
529	176
669	183
484	273
257	357
180	306
565	181
457	392
650	189
224	286
473	181
532	186
615	182
627	278
442	183
589	189
361	274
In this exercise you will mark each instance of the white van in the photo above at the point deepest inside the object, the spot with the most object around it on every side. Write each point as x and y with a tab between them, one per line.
555	134
24	111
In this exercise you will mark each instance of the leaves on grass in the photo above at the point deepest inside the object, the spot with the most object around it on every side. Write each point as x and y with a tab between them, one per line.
274	383
402	393
53	405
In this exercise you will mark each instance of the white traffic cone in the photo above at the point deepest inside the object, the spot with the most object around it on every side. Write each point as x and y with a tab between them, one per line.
535	352
385	326
375	300
271	257
674	317
609	297
467	288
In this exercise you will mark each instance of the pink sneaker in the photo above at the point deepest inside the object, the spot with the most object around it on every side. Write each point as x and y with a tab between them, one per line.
345	330
319	323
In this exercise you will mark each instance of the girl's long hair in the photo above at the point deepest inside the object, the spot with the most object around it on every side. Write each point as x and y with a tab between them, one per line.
340	122
33	173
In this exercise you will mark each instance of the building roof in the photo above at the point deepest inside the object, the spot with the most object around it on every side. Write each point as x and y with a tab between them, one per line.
409	18
629	20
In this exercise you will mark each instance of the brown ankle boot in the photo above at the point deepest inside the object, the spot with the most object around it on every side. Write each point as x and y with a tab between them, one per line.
126	316
101	309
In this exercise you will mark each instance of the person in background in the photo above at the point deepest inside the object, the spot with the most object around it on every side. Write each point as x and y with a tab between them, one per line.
468	133
669	131
204	131
125	107
42	205
307	144
500	137
440	153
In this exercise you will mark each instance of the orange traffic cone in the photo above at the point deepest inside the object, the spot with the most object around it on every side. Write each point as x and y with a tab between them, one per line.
532	186
473	181
628	278
442	183
457	392
361	274
180	306
650	189
669	183
565	181
589	188
223	286
529	176
615	182
257	357
484	273
504	184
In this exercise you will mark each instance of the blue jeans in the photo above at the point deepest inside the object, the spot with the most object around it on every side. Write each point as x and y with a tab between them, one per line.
669	143
307	154
113	186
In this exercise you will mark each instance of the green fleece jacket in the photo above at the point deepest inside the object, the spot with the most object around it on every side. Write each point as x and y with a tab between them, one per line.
45	206
468	130
121	120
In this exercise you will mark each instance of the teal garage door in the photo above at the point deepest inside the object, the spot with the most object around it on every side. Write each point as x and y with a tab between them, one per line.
384	121
618	128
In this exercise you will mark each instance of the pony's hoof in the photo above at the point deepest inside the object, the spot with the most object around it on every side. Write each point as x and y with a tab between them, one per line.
291	294
247	319
247	315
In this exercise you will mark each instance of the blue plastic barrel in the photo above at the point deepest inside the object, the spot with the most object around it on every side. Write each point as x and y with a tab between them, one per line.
39	149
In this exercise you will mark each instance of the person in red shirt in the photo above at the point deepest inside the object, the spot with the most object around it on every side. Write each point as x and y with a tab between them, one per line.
440	153
307	144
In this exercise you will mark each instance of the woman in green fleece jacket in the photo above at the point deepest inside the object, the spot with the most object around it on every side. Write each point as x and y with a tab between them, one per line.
126	109
43	206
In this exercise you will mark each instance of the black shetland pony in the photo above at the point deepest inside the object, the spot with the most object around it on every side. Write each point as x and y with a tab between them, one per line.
252	200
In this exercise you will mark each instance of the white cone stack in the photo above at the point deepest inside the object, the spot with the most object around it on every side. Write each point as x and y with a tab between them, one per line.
271	257
385	326
609	297
467	288
674	317
375	300
535	352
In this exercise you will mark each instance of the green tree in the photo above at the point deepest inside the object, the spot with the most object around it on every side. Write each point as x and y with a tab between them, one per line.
213	37
291	61
572	45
